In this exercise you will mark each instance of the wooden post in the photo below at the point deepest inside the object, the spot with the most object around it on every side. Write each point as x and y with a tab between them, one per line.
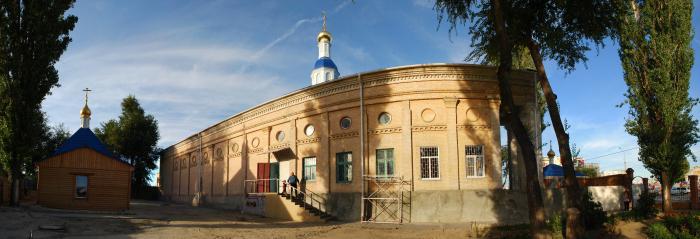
645	182
629	198
693	191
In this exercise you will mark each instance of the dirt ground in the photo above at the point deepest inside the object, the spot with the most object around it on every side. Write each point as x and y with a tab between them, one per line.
160	220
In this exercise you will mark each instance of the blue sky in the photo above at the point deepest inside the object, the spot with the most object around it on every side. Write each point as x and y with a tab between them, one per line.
194	63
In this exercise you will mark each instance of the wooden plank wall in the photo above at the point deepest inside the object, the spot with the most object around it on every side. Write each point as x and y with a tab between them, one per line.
108	181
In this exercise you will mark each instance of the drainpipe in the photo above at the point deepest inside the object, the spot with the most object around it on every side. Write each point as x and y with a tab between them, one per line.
362	147
201	161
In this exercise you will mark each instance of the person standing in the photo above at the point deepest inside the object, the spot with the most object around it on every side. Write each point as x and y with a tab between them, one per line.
293	182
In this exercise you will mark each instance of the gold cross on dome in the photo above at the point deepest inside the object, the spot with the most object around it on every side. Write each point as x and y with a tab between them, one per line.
87	90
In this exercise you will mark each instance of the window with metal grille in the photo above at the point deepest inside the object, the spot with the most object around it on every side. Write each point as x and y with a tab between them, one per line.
309	168
475	160
385	162
429	163
343	165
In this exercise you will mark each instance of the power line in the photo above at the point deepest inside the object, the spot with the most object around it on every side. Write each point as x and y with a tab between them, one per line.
605	155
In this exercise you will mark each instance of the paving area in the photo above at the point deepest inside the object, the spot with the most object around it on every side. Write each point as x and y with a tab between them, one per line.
160	220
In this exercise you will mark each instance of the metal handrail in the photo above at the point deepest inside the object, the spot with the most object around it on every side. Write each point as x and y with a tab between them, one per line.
307	196
253	183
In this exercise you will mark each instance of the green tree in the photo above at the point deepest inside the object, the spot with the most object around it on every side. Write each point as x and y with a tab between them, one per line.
133	137
50	139
655	38
556	30
491	15
33	36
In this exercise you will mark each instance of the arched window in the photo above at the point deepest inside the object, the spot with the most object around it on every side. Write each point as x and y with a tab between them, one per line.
328	76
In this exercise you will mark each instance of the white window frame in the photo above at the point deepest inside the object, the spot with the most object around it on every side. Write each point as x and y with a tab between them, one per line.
474	157
428	158
386	163
305	167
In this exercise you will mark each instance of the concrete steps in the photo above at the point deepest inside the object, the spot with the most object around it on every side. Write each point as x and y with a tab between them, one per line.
309	208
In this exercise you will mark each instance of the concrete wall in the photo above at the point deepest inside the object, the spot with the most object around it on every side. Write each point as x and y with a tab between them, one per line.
610	197
481	206
344	206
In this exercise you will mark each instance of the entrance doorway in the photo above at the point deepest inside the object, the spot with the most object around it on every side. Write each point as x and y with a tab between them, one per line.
268	177
284	169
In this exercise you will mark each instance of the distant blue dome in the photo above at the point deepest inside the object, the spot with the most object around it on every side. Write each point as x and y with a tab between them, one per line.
325	62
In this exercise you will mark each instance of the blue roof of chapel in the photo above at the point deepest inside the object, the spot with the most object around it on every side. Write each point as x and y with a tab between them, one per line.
325	62
553	170
83	138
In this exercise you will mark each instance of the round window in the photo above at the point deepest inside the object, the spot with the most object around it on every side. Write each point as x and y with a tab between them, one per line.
309	130
384	118
345	122
255	142
280	136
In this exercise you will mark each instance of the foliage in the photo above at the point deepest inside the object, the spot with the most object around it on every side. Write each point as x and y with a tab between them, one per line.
133	138
656	55
645	206
588	171
561	31
687	226
592	211
51	139
506	177
147	193
556	226
33	36
659	231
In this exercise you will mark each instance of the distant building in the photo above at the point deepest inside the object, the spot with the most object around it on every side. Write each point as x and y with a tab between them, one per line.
612	172
553	167
695	170
83	174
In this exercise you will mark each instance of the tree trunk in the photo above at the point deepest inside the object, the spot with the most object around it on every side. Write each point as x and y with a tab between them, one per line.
666	184
574	224
514	124
14	191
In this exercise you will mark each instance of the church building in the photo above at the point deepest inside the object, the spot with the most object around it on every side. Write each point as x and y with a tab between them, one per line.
83	174
416	143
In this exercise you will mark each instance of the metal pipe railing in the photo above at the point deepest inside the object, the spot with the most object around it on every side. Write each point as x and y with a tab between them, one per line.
254	186
306	196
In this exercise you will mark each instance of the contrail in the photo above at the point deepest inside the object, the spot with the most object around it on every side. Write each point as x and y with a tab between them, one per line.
291	31
284	36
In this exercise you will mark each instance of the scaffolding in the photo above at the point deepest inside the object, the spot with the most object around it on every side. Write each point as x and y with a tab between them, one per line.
388	199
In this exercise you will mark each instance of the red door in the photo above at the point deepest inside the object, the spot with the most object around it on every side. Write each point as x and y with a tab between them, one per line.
263	181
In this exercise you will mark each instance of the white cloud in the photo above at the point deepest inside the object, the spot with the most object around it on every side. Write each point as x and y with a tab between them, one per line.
424	3
186	88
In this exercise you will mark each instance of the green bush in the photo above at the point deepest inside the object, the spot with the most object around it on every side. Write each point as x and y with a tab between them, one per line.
676	227
646	205
592	212
659	231
556	225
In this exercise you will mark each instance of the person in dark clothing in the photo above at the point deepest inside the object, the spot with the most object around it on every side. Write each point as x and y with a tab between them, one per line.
293	182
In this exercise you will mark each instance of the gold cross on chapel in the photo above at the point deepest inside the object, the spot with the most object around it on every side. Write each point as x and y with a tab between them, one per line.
87	90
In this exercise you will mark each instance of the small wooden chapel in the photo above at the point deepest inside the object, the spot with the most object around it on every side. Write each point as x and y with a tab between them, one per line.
82	174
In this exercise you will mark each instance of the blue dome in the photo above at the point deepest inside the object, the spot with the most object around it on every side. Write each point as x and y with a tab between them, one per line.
325	62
